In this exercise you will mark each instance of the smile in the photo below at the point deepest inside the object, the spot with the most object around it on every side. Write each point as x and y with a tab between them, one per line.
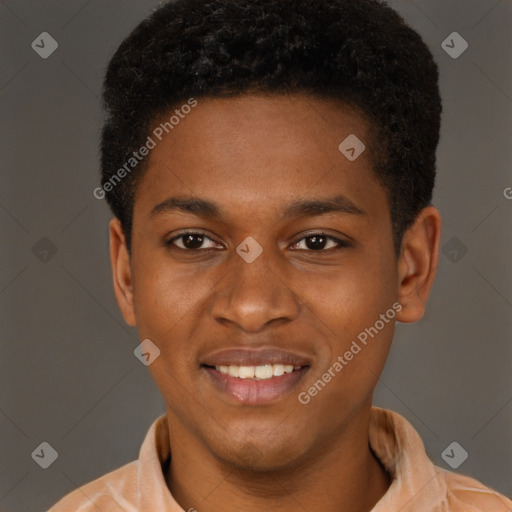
263	372
255	385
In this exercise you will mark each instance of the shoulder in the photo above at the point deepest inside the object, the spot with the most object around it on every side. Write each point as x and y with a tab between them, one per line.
114	491
465	494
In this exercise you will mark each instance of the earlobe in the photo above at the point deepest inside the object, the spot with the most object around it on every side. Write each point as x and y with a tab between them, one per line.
121	271
418	264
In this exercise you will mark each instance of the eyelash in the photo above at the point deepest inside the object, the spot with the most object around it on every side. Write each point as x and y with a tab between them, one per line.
341	243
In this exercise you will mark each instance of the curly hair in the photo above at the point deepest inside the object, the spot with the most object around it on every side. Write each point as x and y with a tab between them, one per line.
358	52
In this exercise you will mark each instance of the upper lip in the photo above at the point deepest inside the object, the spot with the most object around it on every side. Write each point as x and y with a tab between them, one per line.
254	357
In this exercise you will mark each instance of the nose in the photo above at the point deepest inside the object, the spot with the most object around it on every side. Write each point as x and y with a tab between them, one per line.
252	295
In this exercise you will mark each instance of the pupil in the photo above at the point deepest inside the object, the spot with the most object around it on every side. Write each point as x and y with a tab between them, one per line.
191	245
315	242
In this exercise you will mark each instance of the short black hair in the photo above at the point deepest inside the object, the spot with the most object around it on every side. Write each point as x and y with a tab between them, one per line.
359	52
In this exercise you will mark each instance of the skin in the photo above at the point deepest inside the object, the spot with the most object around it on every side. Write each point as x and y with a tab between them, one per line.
253	155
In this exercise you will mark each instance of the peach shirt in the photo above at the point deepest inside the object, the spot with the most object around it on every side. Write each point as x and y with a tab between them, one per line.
417	486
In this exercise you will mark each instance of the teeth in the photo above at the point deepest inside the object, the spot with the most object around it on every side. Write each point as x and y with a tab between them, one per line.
246	372
278	369
266	371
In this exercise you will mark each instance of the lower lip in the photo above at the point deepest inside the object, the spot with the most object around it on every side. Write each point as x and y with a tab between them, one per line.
256	392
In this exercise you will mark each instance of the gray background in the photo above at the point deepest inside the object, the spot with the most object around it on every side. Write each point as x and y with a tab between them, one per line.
68	375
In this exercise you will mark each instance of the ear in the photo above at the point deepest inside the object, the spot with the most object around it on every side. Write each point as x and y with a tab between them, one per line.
417	264
121	271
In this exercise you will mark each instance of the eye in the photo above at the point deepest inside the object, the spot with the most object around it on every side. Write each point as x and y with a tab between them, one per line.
314	242
318	241
191	240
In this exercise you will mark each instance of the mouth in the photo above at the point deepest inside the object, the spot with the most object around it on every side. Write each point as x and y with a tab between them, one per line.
255	377
262	372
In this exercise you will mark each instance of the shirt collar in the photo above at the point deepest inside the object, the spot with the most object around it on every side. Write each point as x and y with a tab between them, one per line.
392	438
401	451
154	458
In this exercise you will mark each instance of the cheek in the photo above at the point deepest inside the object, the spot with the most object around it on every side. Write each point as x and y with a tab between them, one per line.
350	297
169	305
165	294
349	305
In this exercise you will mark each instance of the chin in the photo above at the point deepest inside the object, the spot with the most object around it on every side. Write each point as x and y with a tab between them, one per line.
260	454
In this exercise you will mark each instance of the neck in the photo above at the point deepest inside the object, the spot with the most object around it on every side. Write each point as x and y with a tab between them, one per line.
345	476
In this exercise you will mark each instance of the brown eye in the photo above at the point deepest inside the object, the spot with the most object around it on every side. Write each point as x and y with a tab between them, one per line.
190	241
319	242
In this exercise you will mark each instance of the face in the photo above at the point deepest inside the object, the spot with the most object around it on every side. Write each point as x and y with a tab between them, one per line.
281	262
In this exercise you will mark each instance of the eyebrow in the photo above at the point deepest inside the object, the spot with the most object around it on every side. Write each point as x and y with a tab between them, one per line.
300	208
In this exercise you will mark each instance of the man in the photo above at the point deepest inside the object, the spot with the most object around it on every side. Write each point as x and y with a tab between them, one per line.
270	166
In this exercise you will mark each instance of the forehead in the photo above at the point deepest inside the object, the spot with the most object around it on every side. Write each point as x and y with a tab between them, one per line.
257	150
